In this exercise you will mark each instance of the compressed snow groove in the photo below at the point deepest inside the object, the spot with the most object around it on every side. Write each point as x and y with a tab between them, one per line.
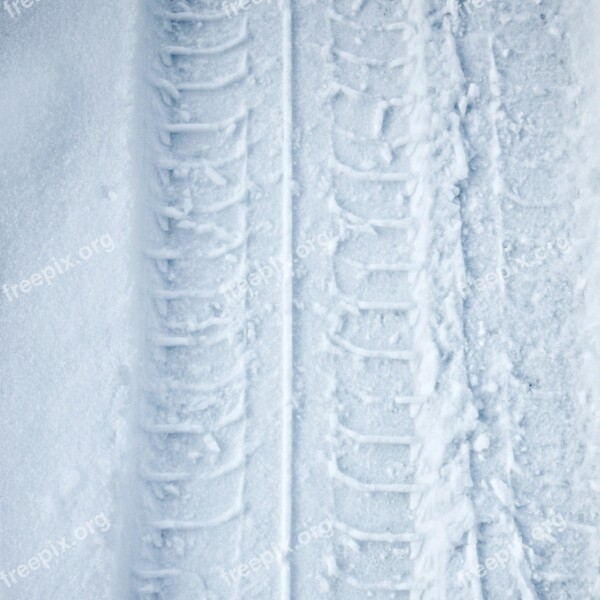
287	350
193	411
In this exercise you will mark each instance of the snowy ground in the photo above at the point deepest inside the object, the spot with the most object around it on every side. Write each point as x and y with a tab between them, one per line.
300	300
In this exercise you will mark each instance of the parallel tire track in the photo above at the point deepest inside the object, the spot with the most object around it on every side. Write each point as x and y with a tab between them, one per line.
385	411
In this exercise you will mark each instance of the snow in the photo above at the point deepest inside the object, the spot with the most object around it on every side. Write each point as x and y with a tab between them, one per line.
300	300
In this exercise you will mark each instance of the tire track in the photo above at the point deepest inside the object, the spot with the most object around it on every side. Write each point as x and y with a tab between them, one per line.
372	432
362	308
525	401
197	408
542	394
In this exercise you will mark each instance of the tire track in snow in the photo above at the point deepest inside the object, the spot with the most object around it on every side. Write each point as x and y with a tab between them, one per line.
525	401
195	412
540	321
375	172
365	455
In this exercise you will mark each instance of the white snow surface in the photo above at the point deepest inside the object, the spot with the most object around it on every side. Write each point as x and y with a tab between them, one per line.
68	350
300	300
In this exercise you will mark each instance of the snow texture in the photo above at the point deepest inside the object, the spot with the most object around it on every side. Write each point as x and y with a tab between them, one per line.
299	300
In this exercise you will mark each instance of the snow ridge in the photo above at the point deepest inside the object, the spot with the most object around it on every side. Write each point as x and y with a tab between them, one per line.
445	515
